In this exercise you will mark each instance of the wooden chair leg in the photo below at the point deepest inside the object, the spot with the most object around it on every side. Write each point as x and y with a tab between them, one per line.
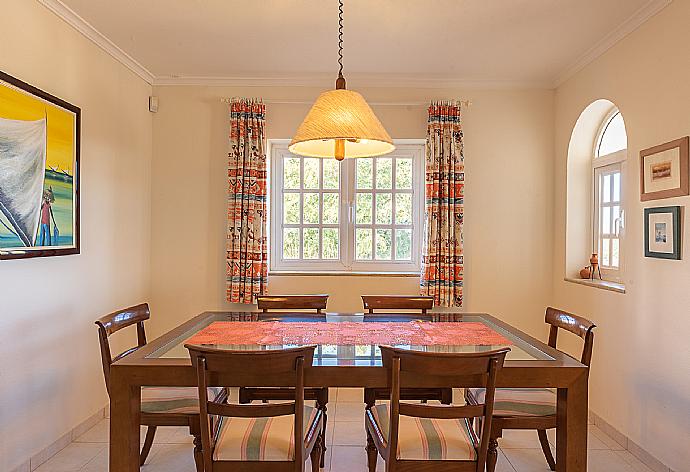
316	454
492	455
372	453
322	404
243	397
198	454
546	448
148	442
369	397
447	396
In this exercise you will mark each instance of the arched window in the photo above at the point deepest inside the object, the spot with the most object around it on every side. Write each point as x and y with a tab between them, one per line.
608	210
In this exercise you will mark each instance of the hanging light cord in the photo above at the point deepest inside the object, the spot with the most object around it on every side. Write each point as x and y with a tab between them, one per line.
340	37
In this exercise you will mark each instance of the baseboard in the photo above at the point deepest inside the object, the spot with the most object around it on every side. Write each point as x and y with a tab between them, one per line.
642	455
62	442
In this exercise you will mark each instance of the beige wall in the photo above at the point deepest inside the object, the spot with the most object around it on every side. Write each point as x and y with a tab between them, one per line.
50	374
640	381
508	149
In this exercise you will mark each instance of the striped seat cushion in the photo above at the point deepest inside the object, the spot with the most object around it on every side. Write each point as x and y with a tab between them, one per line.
173	399
520	401
429	439
259	439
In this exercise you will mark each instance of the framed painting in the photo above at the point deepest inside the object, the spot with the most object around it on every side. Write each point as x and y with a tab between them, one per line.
664	170
39	172
662	235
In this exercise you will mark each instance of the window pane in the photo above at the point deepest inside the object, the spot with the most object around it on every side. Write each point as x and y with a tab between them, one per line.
605	252
606	220
403	173
311	243
384	208
363	243
383	244
291	204
364	172
311	172
614	137
403	244
331	173
290	243
615	256
311	208
362	351
329	349
606	189
617	187
330	208
403	208
330	243
363	208
384	172
291	173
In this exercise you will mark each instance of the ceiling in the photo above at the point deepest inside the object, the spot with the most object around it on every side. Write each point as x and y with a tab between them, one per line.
530	42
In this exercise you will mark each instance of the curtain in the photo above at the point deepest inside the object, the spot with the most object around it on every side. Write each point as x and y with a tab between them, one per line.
442	253
246	270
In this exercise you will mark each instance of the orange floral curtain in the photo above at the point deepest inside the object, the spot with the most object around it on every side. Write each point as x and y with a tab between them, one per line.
246	270
442	256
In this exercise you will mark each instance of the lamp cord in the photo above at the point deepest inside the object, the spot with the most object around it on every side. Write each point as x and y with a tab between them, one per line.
340	37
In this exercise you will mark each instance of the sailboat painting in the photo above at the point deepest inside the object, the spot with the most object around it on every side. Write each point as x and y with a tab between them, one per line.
39	172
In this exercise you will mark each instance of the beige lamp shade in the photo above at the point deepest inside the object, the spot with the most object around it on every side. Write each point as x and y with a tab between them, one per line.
343	119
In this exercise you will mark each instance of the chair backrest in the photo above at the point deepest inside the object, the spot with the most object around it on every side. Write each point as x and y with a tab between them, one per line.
267	303
577	325
113	323
425	369
397	302
286	366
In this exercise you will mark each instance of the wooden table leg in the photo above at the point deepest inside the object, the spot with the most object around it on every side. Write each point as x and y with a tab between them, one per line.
125	410
571	430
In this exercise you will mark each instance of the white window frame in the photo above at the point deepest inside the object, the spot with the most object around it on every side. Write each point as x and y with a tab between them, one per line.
603	165
278	149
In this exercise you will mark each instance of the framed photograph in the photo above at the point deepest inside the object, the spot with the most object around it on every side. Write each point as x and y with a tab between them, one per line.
664	170
39	172
662	237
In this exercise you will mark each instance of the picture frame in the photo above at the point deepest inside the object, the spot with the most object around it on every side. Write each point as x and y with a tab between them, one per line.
662	232
40	138
664	170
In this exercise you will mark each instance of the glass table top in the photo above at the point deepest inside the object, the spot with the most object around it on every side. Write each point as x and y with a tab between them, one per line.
352	355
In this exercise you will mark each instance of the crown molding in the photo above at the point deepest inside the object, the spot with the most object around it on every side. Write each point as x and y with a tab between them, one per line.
70	17
353	79
360	80
615	36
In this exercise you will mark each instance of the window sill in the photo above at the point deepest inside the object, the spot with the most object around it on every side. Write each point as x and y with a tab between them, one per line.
601	284
304	273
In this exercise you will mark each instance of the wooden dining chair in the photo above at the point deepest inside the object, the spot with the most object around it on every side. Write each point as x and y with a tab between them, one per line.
382	305
302	305
295	303
422	438
379	304
259	437
160	406
532	408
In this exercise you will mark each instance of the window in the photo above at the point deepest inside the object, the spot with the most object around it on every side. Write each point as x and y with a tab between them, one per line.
608	221
361	214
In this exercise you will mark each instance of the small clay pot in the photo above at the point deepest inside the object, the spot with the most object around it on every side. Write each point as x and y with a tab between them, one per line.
594	260
585	273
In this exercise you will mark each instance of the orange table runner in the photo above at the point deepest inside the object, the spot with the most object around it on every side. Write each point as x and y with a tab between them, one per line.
414	333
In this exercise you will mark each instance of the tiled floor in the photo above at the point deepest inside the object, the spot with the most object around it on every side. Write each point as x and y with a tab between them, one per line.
172	450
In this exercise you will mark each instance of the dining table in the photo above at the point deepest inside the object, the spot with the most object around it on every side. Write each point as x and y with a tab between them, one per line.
347	355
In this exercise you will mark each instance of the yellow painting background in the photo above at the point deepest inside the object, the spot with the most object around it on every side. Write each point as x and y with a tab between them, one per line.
18	105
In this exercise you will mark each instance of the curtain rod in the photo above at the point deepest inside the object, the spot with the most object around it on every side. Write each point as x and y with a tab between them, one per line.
463	103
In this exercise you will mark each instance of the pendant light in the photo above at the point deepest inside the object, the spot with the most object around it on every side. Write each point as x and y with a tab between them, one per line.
341	124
